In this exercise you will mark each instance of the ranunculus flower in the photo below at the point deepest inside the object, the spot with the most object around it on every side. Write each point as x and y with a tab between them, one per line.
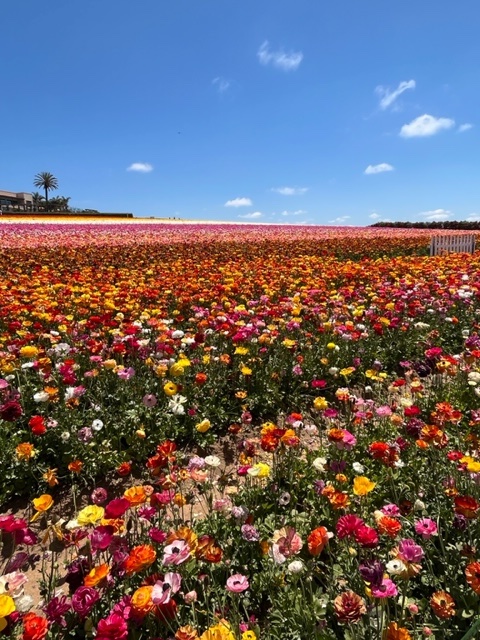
84	599
237	583
426	528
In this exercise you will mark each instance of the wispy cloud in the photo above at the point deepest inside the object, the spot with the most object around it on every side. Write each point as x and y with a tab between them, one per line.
291	191
378	168
473	217
388	97
239	202
340	220
436	215
140	167
222	84
252	216
425	125
279	59
465	127
374	216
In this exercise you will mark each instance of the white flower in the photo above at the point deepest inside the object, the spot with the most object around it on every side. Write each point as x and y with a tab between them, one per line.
212	461
24	604
177	334
419	505
311	429
65	436
358	468
395	567
97	425
175	404
333	371
69	393
319	464
296	566
473	378
41	396
28	365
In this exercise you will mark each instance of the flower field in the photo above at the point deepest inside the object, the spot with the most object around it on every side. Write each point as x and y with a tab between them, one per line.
224	432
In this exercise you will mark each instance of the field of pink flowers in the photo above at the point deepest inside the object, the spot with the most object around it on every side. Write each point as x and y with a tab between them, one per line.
212	432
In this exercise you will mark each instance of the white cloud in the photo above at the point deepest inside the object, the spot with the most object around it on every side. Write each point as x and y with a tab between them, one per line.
140	167
436	215
239	202
378	168
374	216
279	59
465	127
252	216
388	97
340	220
473	217
222	84
425	126
291	191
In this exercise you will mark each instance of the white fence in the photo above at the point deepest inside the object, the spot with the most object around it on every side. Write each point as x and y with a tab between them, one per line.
452	244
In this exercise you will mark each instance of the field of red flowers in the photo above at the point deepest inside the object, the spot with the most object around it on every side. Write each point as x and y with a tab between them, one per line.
313	391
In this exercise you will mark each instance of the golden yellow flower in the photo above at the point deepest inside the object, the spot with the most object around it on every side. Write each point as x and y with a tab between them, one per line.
90	515
203	426
170	388
176	370
25	451
320	403
29	351
7	605
362	486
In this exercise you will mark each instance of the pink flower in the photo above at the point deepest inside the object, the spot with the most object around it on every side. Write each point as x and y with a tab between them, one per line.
348	525
149	400
237	583
126	374
391	510
384	411
176	553
347	442
426	528
286	543
190	597
387	589
114	627
410	551
164	589
101	537
157	535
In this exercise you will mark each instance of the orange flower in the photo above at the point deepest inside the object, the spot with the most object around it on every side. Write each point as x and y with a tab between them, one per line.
25	451
443	604
117	523
467	506
142	600
472	573
186	633
50	477
96	575
317	540
135	495
349	607
339	500
184	533
41	504
75	466
124	469
362	486
208	549
394	632
140	558
388	526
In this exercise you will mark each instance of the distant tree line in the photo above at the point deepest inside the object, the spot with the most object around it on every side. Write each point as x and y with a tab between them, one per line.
454	225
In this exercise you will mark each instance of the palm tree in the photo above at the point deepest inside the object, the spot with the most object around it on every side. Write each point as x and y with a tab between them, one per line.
48	182
36	200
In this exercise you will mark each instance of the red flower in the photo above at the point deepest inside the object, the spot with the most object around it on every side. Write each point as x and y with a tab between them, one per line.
348	525
124	469
34	627
37	425
112	628
467	506
366	537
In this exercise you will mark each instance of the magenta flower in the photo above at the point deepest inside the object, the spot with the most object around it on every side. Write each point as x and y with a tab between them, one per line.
237	583
84	599
164	589
99	496
410	551
157	535
176	553
347	442
101	537
387	589
114	626
149	400
348	525
426	528
391	510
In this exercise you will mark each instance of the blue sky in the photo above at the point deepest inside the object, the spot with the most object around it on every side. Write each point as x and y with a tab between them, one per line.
342	112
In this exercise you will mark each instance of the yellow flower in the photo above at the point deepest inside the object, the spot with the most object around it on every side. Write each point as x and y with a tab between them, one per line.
109	364
248	635
7	606
176	370
331	346
259	470
90	515
245	370
203	426
241	351
473	466
347	371
25	451
170	388
220	631
320	403
362	486
29	352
